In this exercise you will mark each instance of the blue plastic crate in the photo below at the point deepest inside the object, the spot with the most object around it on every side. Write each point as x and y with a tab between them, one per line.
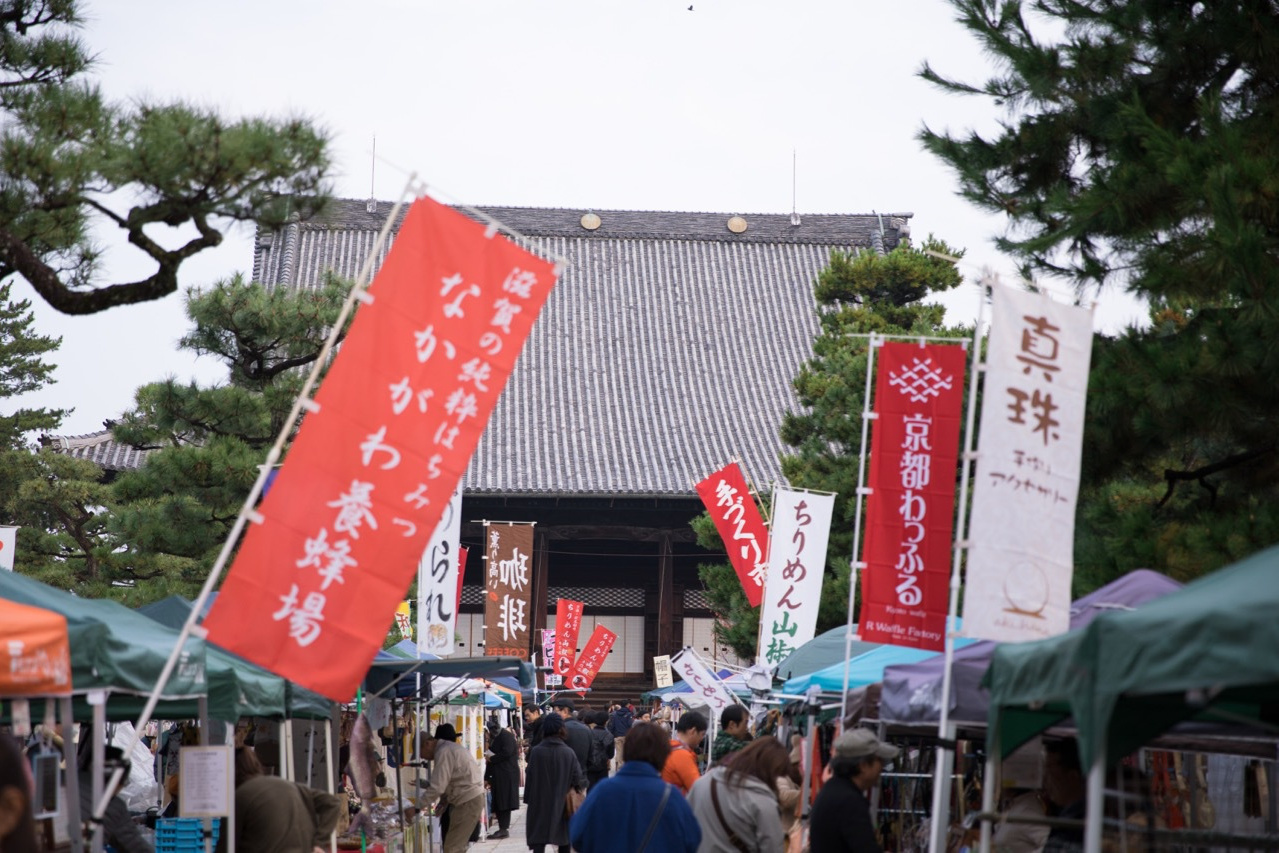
182	835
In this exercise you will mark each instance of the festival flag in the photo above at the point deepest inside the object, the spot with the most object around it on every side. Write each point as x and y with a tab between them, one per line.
508	588
1021	551
919	394
462	553
335	544
738	521
706	687
8	546
568	623
796	566
588	664
438	577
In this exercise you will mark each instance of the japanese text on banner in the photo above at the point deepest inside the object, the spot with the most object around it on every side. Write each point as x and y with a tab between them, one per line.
568	624
706	687
508	588
437	583
1021	556
738	521
919	393
796	566
594	653
380	452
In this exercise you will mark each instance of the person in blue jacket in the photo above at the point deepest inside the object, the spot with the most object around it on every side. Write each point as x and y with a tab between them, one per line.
634	811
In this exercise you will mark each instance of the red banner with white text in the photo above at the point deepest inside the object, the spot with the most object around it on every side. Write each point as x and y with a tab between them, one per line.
919	394
738	521
336	542
568	623
594	653
462	552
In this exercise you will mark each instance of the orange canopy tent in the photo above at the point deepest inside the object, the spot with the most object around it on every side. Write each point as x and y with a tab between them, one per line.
35	654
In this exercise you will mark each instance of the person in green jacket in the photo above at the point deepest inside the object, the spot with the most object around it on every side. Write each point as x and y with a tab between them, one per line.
734	733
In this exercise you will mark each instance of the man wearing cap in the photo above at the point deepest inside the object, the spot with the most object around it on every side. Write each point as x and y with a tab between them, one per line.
576	734
840	820
456	780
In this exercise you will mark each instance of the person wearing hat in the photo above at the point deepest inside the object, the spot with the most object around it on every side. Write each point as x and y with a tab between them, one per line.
576	733
840	820
456	780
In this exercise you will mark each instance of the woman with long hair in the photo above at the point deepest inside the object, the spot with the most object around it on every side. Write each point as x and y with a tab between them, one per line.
736	804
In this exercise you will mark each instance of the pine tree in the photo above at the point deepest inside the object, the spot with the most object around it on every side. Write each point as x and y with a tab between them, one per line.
858	293
176	511
70	160
1140	150
22	370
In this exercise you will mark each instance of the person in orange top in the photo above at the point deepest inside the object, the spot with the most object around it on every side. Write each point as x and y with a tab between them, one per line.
681	766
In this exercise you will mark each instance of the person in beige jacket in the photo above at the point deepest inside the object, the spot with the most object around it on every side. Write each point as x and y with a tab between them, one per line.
456	780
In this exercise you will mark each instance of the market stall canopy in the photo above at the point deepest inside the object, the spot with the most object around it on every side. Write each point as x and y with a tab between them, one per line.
734	682
1204	652
35	651
116	650
388	672
267	695
863	669
912	692
826	649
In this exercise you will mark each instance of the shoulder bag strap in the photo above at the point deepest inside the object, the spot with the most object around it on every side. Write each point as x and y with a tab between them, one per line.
733	839
666	795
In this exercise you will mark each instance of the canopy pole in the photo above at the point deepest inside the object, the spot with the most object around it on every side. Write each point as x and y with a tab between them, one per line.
988	782
943	771
189	628
97	764
75	825
854	564
1095	801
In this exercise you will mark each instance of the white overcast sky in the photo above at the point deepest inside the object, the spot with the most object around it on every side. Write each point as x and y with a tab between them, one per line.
590	104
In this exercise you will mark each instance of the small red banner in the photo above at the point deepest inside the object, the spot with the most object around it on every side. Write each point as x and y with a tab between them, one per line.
375	463
508	588
594	653
919	395
461	574
738	521
568	622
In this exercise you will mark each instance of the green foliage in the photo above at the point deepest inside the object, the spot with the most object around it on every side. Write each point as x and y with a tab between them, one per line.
22	370
1140	150
858	293
70	159
177	510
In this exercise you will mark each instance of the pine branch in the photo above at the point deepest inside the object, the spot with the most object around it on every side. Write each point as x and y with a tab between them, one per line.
1201	474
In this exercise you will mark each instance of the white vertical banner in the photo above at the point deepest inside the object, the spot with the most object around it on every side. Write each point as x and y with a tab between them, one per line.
1021	539
706	687
796	566
437	583
8	546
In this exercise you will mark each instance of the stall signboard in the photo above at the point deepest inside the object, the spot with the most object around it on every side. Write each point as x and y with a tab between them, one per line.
796	566
706	687
568	624
919	393
508	588
336	542
729	502
662	676
1021	539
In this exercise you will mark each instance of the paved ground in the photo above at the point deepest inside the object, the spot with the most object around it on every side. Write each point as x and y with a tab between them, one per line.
506	845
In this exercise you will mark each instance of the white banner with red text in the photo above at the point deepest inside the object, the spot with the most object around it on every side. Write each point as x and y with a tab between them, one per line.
796	567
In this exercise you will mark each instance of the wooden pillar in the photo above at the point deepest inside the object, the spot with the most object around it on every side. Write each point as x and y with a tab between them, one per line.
665	598
541	581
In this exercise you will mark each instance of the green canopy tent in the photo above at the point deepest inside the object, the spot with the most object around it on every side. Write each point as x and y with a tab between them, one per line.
1205	653
296	702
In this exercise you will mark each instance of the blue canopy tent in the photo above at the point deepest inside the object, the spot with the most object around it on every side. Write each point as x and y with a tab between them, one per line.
862	670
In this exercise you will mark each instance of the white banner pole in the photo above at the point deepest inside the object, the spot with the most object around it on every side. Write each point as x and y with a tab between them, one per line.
862	492
945	760
189	627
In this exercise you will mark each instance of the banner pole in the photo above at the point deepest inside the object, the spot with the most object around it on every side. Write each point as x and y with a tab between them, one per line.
189	628
855	564
945	753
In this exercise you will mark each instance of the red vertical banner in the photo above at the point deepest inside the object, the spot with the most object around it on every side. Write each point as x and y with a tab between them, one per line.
336	542
461	574
508	588
738	521
594	653
568	623
919	393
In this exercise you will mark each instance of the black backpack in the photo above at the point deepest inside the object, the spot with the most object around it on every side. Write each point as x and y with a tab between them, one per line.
597	758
